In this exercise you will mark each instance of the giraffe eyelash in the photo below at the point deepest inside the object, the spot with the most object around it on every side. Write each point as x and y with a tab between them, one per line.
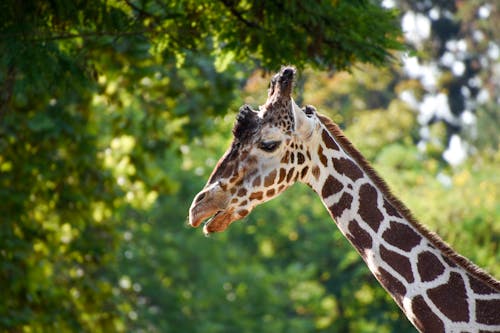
269	146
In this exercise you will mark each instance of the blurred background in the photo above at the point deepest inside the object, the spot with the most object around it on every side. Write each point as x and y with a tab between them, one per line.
114	113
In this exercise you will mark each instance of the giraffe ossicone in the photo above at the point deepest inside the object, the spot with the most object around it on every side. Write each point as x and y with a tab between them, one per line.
280	144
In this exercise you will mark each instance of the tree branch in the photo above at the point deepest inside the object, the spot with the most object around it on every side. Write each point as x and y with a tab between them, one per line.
48	37
239	16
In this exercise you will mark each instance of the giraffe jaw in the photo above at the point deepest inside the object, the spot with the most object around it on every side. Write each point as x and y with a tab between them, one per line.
218	222
213	220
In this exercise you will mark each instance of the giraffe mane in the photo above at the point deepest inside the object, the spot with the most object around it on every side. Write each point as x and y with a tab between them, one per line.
435	240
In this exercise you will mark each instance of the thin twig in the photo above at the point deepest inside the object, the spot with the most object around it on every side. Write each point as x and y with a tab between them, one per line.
239	16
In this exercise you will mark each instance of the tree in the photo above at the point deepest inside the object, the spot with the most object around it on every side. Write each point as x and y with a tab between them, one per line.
85	139
111	115
455	82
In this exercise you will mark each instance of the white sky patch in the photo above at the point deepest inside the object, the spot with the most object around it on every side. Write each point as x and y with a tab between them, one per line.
458	68
445	180
456	152
447	59
435	106
388	4
478	35
411	67
434	13
493	51
484	61
462	45
427	74
422	146
408	97
427	109
468	118
484	11
465	91
456	45
416	27
483	96
475	82
425	132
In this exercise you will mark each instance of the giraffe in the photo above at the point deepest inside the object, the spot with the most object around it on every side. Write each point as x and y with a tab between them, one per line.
279	144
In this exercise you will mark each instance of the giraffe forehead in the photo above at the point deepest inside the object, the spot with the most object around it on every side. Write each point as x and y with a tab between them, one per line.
279	113
271	132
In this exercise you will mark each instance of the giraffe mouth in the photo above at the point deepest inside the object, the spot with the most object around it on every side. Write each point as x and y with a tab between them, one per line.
218	222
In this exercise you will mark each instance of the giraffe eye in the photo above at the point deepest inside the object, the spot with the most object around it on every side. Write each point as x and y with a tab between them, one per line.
269	146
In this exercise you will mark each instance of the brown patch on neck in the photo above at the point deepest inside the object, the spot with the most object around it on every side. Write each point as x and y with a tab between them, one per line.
429	267
435	240
451	298
426	320
393	285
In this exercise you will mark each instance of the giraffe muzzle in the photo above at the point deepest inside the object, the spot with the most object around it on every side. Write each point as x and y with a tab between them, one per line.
210	207
213	220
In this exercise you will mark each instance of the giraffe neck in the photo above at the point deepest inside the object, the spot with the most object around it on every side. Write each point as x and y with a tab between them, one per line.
437	289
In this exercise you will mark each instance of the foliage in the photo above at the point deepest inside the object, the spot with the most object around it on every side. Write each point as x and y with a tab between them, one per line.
111	117
457	53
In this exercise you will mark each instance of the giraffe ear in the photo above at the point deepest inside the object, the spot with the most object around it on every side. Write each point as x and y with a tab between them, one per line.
304	123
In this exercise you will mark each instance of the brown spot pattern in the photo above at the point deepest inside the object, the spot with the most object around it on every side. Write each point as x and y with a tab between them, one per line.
400	263
451	298
303	173
390	209
393	285
284	160
330	187
282	175
426	320
447	260
328	140
290	174
479	287
316	172
242	192
368	209
347	167
344	203
256	196
269	180
488	311
256	181
300	158
359	237
322	157
401	236
243	212
429	266
270	193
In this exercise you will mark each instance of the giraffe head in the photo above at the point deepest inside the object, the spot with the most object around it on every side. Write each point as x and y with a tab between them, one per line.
267	155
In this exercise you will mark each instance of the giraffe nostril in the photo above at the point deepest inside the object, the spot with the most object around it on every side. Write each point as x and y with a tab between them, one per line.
200	197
